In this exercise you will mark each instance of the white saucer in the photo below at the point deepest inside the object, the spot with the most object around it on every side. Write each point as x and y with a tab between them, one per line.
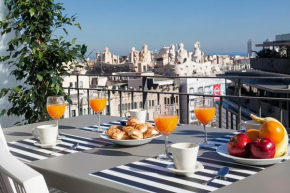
198	167
47	145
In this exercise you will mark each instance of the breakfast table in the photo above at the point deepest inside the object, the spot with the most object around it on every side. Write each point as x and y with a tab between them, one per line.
99	166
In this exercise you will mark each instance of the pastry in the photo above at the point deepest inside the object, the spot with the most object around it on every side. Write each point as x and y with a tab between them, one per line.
127	128
141	127
133	121
135	134
151	132
149	125
120	135
112	129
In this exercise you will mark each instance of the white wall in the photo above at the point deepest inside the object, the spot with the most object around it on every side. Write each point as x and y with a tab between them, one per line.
6	81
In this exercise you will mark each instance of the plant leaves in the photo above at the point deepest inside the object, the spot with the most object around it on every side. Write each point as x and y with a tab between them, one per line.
39	77
32	12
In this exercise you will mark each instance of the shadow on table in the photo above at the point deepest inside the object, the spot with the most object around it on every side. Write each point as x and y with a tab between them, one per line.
111	152
201	134
19	134
66	127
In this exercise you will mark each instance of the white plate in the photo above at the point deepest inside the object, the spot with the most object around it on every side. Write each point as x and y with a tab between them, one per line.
198	167
223	150
130	142
47	145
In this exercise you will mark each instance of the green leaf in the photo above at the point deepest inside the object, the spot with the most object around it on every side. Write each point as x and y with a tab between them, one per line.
40	55
57	88
39	77
31	11
17	89
73	41
2	112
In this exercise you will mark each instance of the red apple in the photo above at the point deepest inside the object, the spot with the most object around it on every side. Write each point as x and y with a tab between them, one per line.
263	148
239	145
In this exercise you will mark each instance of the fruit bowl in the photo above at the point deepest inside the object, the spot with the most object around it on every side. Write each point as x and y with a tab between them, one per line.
223	151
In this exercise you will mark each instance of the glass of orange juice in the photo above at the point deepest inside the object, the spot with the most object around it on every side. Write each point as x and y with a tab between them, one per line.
55	107
166	119
204	110
98	102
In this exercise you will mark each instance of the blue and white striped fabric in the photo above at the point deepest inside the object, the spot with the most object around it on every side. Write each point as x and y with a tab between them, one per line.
27	151
151	175
105	126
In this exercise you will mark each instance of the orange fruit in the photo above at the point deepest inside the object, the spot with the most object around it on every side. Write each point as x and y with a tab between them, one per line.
253	134
273	130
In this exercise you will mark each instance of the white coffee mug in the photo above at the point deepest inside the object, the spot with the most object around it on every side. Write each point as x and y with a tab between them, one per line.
138	113
251	124
185	155
46	134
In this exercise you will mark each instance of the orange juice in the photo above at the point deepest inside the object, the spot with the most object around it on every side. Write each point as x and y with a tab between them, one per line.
56	111
98	104
166	124
204	114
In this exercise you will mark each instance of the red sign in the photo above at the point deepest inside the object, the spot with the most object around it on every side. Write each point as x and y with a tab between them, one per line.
216	91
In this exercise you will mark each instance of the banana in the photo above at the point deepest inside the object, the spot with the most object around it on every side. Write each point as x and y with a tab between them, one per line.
262	120
281	148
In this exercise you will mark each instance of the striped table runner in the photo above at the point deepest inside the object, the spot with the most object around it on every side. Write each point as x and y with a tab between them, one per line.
151	175
27	151
106	126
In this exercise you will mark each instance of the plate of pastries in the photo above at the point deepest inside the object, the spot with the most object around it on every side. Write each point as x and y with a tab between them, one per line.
132	134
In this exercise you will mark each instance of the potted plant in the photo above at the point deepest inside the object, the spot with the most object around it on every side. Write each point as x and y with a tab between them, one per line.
39	58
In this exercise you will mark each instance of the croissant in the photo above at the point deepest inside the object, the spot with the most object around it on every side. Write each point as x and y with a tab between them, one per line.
149	125
135	134
120	135
133	121
112	129
141	127
127	128
151	132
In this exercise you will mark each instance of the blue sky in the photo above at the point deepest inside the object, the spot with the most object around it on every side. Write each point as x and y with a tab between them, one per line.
221	26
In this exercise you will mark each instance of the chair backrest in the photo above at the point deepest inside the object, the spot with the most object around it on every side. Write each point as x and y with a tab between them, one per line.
15	176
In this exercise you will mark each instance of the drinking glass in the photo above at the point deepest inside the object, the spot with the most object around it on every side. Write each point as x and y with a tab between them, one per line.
55	107
166	119
204	110
98	102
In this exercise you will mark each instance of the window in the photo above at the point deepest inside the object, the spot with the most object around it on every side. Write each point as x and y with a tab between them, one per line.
129	106
76	85
192	102
73	113
123	106
135	105
70	84
149	103
200	89
140	104
119	108
153	103
191	90
126	106
165	101
206	89
168	102
81	84
176	99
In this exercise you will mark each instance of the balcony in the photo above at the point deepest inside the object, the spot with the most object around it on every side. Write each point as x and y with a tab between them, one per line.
232	108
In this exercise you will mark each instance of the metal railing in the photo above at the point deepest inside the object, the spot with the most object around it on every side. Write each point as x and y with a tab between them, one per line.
145	91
